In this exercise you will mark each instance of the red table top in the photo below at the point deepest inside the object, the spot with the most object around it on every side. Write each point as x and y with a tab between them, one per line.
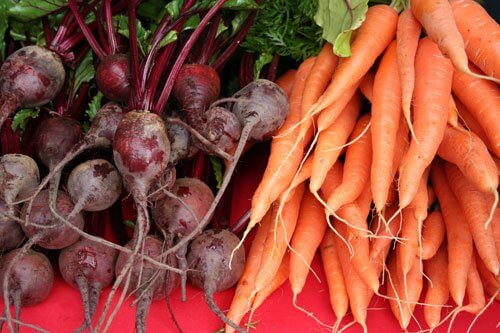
62	311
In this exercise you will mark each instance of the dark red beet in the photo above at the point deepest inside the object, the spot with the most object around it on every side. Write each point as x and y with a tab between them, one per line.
113	77
31	76
208	260
19	177
11	234
59	235
29	282
181	143
222	128
195	88
89	267
163	184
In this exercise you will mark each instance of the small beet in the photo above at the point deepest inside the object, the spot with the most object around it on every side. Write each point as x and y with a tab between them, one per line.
11	234
181	143
31	76
163	184
113	77
208	260
222	128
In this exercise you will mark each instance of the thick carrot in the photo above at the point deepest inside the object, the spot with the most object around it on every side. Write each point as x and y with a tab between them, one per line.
311	226
286	81
481	35
332	180
482	100
278	237
241	300
432	195
470	155
431	98
475	208
366	85
281	165
329	115
459	238
433	232
491	285
438	291
407	37
330	141
471	124
356	166
334	277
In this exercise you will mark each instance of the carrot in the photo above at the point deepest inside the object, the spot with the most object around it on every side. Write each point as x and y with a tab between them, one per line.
432	235
407	37
281	165
356	166
286	81
437	289
471	124
432	195
278	237
334	276
495	225
436	16
481	35
330	140
475	292
332	180
475	209
311	226
330	114
470	155
459	238
482	100
241	300
375	34
381	243
366	85
386	113
432	93
491	285
453	114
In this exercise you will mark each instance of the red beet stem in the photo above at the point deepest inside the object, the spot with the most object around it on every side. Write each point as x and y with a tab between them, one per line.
85	30
208	45
101	32
134	52
108	16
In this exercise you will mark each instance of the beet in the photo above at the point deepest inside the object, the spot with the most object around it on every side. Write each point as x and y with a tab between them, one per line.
113	77
222	128
11	234
88	266
181	143
30	280
31	76
208	260
163	184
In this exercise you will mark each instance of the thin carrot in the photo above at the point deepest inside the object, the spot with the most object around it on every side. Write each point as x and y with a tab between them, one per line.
482	100
334	276
475	292
382	242
431	97
453	114
407	37
438	291
459	238
241	300
311	226
491	285
471	124
481	35
356	166
433	231
286	81
475	209
432	195
366	85
495	225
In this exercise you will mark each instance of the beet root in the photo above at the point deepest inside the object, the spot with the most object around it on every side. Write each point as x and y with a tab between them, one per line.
27	278
31	76
181	143
222	128
11	234
161	187
88	266
113	77
208	260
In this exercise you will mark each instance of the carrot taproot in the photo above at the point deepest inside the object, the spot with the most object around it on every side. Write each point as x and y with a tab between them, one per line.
453	113
286	81
476	211
482	100
242	302
438	291
311	226
432	195
382	240
490	283
356	166
495	225
459	238
407	36
475	291
329	143
366	85
433	231
481	35
431	98
281	165
471	124
334	276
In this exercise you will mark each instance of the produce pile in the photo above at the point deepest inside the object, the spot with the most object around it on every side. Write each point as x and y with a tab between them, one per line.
133	115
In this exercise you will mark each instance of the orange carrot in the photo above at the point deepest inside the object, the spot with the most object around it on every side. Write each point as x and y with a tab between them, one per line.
334	276
407	37
475	292
495	225
366	85
330	141
432	195
311	226
475	209
437	289
356	166
491	285
286	81
453	114
481	35
482	100
382	241
471	124
431	95
459	239
432	235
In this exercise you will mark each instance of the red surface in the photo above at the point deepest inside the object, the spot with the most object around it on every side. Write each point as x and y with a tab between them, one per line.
62	311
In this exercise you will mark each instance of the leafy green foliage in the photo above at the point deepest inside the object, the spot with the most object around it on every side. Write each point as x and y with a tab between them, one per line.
84	72
262	60
28	10
121	22
22	117
94	105
217	168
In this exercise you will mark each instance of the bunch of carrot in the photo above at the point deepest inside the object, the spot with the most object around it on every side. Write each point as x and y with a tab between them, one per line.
425	154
